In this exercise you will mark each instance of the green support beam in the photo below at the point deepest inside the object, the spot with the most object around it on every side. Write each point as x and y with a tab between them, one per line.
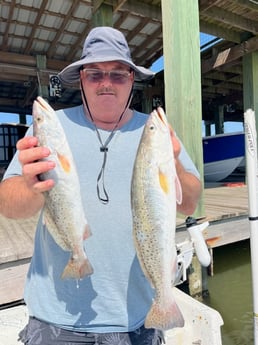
182	76
42	65
103	16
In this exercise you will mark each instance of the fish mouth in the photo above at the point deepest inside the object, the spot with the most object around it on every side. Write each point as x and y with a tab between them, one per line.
161	114
42	103
161	119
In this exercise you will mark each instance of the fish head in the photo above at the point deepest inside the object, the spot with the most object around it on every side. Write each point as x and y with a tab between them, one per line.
156	132
43	116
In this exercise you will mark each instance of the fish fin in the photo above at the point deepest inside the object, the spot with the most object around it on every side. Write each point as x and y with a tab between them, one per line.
77	268
87	233
64	161
163	181
177	181
171	130
179	194
164	184
164	317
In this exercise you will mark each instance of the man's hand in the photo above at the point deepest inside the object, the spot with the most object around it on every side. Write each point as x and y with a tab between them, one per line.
31	158
191	185
22	196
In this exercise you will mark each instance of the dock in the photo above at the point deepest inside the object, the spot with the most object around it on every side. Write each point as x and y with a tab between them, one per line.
16	248
226	210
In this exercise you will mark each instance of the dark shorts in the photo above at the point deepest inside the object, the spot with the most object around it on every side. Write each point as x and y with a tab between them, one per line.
41	333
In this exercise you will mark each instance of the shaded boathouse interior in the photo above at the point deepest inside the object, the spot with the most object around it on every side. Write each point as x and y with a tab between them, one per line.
38	39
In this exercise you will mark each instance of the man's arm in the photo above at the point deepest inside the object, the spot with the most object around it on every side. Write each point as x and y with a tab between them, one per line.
191	190
191	185
22	196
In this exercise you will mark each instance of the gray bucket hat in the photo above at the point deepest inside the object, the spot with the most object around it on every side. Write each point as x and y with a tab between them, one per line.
103	44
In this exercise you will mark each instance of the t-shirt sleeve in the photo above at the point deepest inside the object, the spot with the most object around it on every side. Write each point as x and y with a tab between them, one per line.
187	161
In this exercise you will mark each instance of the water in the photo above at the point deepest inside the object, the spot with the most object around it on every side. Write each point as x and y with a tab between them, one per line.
230	292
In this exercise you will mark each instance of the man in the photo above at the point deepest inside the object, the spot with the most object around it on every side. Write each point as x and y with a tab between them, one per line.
110	306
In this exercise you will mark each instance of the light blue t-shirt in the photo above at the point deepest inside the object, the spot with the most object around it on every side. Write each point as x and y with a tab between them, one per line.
117	296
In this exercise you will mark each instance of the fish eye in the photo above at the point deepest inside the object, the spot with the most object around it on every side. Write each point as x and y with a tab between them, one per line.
39	119
152	127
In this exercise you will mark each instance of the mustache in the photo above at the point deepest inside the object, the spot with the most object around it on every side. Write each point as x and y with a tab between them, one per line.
105	90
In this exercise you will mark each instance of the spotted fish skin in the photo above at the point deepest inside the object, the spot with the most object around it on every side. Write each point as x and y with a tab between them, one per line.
63	210
155	191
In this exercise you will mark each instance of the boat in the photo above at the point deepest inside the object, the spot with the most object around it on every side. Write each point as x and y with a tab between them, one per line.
222	154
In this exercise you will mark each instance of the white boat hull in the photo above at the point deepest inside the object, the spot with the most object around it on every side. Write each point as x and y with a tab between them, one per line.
222	154
219	170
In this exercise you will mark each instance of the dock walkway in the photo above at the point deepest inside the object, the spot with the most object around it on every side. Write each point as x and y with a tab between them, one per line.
226	209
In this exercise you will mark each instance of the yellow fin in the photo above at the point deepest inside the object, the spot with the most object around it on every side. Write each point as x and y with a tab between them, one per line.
163	181
64	162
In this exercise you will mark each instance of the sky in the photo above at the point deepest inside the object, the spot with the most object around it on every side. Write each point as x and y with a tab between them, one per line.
13	118
205	42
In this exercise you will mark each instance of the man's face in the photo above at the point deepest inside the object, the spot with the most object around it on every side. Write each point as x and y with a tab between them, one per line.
107	93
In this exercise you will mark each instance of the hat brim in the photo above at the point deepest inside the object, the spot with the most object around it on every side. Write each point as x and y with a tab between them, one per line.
71	73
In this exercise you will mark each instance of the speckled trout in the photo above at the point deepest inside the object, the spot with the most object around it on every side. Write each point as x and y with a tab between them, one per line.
63	210
155	191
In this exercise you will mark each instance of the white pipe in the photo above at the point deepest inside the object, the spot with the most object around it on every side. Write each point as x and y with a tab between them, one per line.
252	182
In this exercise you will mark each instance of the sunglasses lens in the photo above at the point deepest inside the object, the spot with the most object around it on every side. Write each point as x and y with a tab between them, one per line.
118	77
97	75
94	76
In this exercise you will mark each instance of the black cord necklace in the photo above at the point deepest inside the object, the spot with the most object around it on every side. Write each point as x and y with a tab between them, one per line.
101	189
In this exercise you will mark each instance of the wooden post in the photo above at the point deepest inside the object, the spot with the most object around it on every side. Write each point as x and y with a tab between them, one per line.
22	119
195	279
219	120
207	128
42	64
182	75
103	15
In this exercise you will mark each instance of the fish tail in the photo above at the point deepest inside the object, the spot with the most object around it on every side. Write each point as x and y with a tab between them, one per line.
164	317
77	268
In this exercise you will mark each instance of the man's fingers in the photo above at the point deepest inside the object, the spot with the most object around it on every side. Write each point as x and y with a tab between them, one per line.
33	154
34	169
43	186
26	143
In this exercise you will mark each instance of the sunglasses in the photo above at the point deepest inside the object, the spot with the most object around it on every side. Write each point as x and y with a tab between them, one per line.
95	75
